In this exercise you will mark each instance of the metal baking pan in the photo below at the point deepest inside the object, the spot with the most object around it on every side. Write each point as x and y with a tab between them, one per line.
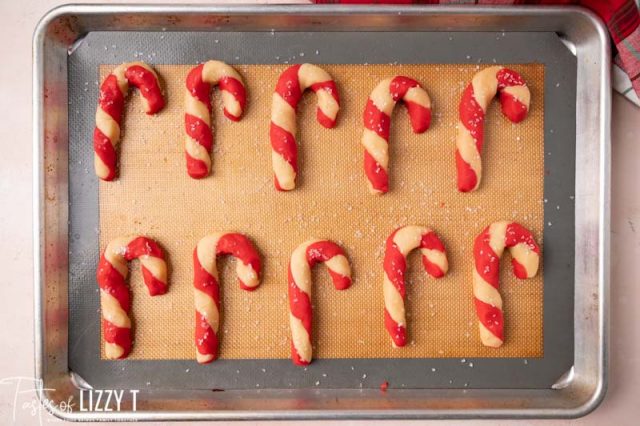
575	348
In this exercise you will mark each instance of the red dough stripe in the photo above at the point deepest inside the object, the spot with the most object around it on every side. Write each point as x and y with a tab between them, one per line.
517	234
117	335
331	88
197	169
395	265
397	332
197	87
376	120
512	108
105	151
322	251
155	286
206	339
110	281
375	173
486	263
198	130
507	77
141	246
467	178
419	116
490	317
204	281
472	116
237	90
111	99
284	144
147	82
288	86
340	282
400	85
300	303
238	246
328	86
431	241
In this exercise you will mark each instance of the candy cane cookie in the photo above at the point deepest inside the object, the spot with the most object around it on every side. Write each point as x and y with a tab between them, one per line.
114	293
291	84
197	116
377	121
399	244
113	92
514	98
487	250
304	257
207	288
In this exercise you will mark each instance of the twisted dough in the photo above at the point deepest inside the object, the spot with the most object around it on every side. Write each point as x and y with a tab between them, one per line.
399	244
514	98
113	91
292	83
377	121
304	257
197	116
114	293
207	288
487	250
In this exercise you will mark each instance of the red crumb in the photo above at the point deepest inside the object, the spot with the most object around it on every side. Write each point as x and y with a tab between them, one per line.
442	204
384	386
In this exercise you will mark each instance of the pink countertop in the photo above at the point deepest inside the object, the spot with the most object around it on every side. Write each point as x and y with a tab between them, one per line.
620	407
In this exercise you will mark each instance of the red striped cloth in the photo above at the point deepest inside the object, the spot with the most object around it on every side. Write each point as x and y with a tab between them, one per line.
621	17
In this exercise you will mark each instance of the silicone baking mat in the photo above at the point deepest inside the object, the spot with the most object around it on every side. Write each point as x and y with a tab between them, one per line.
155	196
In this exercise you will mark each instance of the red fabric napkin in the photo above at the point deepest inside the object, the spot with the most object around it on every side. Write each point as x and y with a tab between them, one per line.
621	17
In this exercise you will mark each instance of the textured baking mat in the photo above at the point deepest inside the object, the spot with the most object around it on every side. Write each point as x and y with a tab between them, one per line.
155	196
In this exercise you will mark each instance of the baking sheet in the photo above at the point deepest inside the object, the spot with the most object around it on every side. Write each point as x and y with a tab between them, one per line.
329	372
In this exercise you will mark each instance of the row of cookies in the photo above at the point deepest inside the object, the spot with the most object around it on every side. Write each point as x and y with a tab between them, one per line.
489	246
485	85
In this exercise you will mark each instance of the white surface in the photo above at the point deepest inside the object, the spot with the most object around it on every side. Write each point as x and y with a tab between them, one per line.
621	407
